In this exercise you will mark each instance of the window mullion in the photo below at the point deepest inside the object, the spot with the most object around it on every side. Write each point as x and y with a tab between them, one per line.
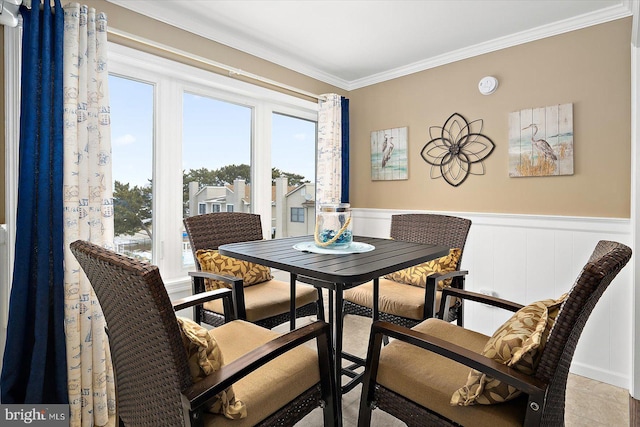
261	170
167	188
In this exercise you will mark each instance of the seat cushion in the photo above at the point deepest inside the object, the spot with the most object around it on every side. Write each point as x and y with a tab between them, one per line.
395	298
272	386
429	379
212	262
518	343
205	357
417	275
268	299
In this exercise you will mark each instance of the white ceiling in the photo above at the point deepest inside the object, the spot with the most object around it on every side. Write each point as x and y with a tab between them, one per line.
355	43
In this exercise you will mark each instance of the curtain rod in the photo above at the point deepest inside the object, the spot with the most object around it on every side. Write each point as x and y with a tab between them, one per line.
233	72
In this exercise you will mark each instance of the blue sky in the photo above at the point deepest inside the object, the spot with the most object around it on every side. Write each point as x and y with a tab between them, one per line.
210	126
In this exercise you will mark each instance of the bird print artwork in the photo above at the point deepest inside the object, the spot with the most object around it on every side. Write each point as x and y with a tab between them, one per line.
389	154
541	141
387	149
543	146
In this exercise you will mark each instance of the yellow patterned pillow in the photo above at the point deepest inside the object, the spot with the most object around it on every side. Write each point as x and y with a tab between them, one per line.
417	275
518	343
250	273
205	358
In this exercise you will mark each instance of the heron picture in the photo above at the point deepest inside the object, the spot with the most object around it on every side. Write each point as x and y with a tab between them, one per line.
541	141
389	158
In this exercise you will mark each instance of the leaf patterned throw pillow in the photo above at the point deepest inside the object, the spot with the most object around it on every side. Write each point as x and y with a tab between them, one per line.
251	273
417	275
204	357
518	343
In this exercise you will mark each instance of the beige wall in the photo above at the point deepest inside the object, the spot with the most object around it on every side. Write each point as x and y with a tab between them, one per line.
590	68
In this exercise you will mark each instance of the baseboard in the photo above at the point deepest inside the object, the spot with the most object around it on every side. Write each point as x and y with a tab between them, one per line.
602	375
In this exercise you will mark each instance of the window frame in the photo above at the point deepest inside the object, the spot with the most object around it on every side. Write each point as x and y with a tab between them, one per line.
171	80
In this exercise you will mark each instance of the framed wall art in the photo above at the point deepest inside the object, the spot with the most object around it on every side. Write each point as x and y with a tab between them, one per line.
541	141
389	155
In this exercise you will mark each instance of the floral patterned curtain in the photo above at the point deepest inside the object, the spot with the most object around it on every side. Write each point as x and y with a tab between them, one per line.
87	210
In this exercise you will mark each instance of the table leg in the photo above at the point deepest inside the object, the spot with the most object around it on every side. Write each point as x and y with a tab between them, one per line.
331	313
376	296
292	302
337	334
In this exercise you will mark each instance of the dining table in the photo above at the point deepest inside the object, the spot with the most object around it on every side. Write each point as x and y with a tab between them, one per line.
366	259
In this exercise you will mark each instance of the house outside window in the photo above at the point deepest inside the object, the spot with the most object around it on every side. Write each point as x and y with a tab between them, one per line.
202	208
297	214
215	207
229	208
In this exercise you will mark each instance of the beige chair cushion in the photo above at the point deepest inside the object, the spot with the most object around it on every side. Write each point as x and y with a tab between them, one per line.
518	343
205	357
268	299
429	379
271	387
417	275
212	262
395	298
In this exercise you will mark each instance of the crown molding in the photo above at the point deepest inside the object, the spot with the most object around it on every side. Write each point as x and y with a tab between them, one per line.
560	27
199	26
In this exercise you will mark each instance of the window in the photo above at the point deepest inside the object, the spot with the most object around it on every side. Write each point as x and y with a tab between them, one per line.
197	119
216	149
297	215
202	208
132	111
293	153
229	208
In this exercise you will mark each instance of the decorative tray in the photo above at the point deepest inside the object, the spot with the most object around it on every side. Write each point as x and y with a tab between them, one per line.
353	248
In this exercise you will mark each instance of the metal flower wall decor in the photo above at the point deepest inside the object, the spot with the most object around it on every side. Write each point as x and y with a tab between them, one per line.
457	149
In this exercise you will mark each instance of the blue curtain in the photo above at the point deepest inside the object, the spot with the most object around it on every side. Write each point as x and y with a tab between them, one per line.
34	368
345	150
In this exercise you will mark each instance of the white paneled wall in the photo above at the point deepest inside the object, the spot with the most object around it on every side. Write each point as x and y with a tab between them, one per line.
526	258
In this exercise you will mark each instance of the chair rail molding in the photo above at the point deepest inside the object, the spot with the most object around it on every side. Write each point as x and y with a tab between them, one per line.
526	258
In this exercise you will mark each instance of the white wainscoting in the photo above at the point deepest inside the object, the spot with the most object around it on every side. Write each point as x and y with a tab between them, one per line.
525	258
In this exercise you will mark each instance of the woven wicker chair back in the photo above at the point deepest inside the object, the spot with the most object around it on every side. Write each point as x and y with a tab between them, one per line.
607	260
209	231
149	360
435	229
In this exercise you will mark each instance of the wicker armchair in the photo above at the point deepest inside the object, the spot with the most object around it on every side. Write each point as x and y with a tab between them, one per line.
415	376
267	303
153	383
408	305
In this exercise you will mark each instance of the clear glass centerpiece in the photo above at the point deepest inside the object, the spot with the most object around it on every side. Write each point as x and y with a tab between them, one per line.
333	226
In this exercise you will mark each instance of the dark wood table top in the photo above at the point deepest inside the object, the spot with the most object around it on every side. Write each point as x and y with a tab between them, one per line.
388	256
